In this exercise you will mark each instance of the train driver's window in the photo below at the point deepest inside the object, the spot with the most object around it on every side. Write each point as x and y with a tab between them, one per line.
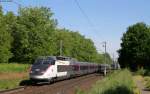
51	62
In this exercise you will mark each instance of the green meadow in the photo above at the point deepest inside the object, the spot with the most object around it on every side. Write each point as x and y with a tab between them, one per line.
11	74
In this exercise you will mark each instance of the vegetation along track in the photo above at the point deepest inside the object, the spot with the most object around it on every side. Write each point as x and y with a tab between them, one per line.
61	87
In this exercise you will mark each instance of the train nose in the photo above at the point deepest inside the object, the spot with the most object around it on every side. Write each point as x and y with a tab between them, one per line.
39	70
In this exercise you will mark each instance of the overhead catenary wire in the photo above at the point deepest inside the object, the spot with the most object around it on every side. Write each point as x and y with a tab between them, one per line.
19	5
3	7
12	1
85	15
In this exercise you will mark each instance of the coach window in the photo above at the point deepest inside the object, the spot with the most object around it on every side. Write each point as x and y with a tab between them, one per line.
76	67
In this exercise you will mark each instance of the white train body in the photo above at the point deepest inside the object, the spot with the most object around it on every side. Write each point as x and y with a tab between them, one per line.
55	68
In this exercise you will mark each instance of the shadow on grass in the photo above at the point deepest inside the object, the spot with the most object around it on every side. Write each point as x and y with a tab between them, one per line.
146	89
118	90
26	83
32	83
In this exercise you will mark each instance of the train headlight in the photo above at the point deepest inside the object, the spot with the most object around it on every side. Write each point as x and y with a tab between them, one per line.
31	71
42	72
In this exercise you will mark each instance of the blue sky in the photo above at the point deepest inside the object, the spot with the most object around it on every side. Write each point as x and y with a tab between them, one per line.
110	18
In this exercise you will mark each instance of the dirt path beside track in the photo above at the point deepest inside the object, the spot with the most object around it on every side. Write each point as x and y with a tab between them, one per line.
139	80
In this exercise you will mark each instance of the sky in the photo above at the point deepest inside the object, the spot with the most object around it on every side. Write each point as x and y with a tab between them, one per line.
109	18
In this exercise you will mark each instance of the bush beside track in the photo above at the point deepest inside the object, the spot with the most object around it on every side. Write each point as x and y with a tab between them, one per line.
12	74
144	74
119	82
147	82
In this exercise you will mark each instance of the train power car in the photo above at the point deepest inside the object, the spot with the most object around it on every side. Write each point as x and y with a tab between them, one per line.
51	68
104	68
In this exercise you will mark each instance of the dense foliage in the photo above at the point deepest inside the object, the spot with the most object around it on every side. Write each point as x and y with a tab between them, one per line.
33	32
135	47
5	40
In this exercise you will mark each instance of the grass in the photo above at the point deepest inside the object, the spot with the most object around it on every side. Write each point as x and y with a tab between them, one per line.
147	82
79	91
13	67
12	74
144	74
9	83
119	82
140	71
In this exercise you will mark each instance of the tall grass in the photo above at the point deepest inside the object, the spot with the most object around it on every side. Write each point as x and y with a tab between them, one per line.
9	83
13	67
119	82
147	82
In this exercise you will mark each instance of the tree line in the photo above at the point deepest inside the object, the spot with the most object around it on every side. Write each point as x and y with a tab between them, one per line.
33	32
135	47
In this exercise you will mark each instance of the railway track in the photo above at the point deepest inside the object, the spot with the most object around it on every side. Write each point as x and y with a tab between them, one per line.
12	90
61	87
64	90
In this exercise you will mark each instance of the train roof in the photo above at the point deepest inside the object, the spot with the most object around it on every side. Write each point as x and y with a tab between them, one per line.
64	58
56	58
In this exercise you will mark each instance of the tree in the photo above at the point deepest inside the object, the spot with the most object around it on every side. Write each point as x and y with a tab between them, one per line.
5	40
135	46
83	48
100	58
108	58
64	36
34	34
75	45
11	23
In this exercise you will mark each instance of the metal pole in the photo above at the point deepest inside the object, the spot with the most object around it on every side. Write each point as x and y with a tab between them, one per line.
105	71
105	51
60	50
113	58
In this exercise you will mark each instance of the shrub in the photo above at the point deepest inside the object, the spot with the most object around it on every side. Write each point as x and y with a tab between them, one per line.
141	71
147	82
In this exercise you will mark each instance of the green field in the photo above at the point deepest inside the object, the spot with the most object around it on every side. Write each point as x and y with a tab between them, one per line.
119	82
13	67
12	74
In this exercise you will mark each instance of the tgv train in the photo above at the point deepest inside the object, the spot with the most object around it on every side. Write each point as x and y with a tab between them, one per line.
52	68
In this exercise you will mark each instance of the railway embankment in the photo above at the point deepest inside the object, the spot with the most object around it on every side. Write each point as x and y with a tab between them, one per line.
69	86
13	74
119	82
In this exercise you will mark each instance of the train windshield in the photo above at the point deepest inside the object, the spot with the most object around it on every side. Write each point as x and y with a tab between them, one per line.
51	62
44	62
